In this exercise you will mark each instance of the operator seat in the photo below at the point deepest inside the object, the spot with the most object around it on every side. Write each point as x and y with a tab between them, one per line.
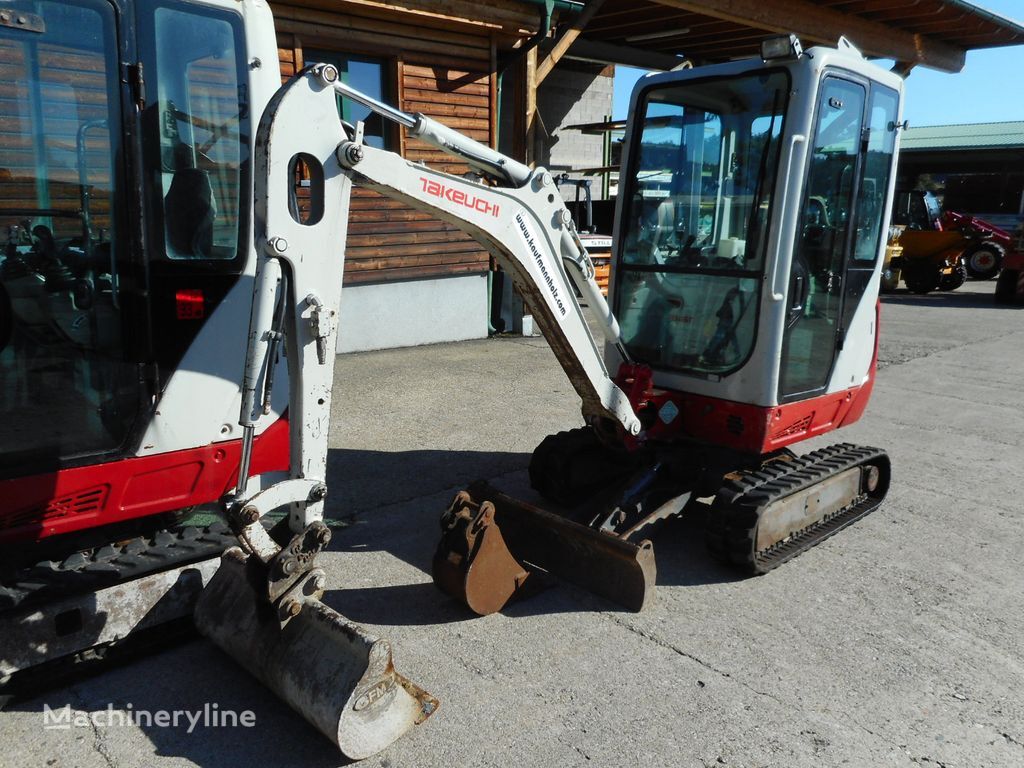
189	213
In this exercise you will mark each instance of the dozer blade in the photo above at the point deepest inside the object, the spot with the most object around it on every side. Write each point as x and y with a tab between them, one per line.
335	674
490	542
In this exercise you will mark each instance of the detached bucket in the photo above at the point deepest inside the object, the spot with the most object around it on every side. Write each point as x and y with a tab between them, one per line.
339	677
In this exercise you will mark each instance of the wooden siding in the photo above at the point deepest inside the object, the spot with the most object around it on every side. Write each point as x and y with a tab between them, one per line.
444	70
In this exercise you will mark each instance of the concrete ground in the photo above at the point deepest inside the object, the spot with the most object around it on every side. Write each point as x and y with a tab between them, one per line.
899	642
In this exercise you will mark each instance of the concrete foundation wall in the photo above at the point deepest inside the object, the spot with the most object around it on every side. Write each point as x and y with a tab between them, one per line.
406	314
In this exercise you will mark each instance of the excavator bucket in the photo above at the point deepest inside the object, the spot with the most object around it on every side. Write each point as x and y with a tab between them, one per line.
491	542
335	674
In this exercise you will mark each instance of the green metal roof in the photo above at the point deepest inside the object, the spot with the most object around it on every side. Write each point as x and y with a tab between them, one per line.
1008	135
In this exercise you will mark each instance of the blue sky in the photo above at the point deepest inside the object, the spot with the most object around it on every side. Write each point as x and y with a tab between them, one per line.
989	88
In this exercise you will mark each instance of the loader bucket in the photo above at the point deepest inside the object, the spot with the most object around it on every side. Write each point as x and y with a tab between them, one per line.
335	674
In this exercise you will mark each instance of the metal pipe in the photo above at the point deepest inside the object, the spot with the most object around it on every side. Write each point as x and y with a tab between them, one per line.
248	434
560	5
545	29
478	155
385	110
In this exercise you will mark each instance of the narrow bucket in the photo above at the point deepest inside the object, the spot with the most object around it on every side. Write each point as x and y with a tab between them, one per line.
490	543
335	674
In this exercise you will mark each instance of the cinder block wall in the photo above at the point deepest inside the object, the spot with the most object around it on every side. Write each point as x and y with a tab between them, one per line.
574	92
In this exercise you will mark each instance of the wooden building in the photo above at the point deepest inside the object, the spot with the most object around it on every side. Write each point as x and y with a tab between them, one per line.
411	278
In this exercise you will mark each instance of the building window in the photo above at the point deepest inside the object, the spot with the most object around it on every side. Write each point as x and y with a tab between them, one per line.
366	74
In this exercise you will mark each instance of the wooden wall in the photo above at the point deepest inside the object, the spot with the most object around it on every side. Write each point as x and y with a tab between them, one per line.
441	67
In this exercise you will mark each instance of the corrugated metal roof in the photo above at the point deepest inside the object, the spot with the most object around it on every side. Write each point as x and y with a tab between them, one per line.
966	136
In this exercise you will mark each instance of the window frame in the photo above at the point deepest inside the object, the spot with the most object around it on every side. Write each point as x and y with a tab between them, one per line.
390	80
153	202
627	191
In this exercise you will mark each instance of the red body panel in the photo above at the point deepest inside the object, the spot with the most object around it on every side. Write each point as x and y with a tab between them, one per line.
74	499
752	428
748	428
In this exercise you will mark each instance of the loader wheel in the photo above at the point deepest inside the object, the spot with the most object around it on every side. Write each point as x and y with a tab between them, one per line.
921	280
983	261
1006	286
953	281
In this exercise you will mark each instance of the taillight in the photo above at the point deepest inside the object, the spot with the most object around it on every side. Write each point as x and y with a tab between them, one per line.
189	304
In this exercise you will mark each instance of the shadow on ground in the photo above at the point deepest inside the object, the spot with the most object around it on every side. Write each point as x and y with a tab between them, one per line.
951	299
193	678
398	499
394	501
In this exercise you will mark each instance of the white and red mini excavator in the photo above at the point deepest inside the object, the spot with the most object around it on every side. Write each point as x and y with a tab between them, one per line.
169	315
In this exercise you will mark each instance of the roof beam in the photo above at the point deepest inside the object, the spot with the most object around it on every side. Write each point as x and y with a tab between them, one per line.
608	53
825	25
567	39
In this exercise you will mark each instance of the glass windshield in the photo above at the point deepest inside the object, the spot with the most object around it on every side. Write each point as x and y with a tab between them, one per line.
874	185
200	116
65	388
696	226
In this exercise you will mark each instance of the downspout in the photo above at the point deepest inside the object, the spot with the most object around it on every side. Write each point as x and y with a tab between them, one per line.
547	9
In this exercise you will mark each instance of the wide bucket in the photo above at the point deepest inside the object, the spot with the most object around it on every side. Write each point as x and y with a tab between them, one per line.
339	677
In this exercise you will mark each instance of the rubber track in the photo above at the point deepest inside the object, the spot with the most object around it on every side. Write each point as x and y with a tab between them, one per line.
103	567
732	525
94	569
566	467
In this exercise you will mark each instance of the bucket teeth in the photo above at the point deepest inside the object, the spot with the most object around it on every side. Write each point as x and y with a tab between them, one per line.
341	678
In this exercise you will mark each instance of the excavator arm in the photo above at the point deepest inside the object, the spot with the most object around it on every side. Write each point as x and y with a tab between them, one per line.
263	605
524	224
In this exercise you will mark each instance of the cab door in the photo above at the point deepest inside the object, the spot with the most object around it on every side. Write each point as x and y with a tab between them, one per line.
195	127
825	241
69	388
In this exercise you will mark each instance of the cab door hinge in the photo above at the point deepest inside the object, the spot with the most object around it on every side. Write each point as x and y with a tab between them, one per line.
136	80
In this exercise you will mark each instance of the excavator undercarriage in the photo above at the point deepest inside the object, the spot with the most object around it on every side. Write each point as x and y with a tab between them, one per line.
759	513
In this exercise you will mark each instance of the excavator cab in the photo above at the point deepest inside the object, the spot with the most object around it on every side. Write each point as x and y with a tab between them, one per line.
126	286
750	226
126	215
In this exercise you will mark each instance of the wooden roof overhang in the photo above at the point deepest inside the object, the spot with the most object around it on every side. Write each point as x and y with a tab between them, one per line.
657	34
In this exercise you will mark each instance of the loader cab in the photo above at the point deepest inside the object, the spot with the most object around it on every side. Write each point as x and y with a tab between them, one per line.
916	209
752	202
124	211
